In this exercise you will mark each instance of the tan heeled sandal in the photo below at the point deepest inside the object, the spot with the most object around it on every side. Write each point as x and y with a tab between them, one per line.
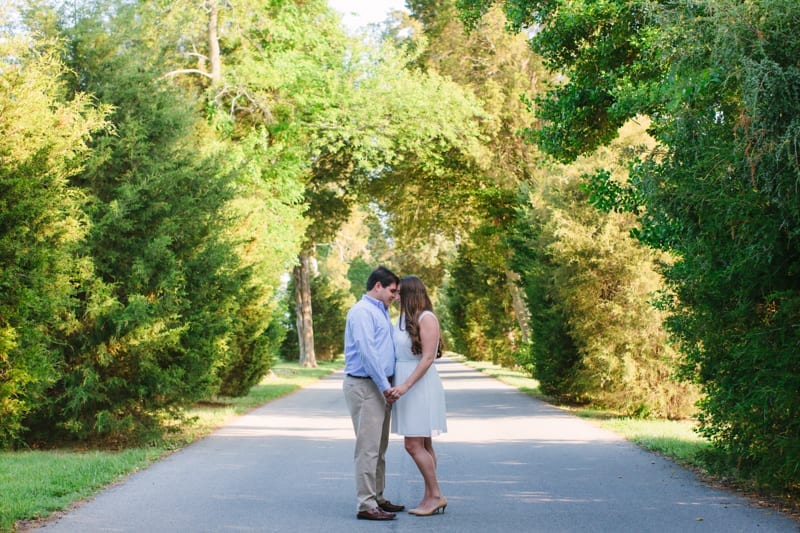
441	506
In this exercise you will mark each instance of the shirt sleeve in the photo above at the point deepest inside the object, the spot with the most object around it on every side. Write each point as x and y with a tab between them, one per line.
367	348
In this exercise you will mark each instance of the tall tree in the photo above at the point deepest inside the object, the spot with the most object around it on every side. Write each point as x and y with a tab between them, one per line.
251	63
332	113
151	343
383	125
596	336
719	80
44	136
499	68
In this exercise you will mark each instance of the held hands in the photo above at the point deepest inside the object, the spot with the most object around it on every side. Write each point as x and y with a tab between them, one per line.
393	394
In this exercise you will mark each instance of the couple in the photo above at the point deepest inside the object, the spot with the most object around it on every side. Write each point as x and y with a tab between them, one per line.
391	367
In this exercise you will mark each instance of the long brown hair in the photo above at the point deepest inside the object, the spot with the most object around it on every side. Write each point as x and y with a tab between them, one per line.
413	301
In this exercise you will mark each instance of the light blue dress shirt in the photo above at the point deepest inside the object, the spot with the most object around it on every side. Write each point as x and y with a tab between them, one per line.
368	344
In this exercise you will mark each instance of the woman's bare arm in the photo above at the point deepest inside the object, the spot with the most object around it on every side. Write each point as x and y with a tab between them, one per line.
429	335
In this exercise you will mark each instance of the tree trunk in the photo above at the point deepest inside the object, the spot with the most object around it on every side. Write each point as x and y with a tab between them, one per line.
305	321
214	56
520	309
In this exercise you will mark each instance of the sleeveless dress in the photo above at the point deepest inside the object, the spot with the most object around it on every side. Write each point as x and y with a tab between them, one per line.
421	411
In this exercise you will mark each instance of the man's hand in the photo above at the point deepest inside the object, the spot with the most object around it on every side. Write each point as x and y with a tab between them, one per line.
393	394
390	396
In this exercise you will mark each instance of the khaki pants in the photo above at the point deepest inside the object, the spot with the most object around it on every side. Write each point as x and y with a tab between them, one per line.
371	415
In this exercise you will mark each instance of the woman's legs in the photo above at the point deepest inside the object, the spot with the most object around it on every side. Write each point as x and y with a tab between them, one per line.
423	455
428	443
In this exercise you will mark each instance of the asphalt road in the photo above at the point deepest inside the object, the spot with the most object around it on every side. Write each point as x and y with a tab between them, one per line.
509	463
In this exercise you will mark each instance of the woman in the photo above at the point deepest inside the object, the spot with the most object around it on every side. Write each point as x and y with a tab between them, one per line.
419	406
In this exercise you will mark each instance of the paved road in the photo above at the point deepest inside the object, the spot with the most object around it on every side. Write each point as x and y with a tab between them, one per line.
509	463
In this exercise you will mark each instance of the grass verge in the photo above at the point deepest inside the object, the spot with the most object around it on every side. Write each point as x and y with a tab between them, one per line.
35	484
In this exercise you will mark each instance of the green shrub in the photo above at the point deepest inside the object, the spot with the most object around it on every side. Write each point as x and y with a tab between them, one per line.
596	337
41	225
480	317
165	277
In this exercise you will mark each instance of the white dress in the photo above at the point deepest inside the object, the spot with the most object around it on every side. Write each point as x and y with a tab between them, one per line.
421	411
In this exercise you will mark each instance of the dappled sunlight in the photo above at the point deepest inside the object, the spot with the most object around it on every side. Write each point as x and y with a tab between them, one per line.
479	410
544	497
281	426
517	429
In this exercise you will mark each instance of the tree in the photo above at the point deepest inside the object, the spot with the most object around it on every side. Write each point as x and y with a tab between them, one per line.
481	316
151	343
596	336
330	311
332	113
173	299
472	209
394	128
44	136
723	198
246	56
716	79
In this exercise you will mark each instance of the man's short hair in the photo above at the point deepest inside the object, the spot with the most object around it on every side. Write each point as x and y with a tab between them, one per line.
383	275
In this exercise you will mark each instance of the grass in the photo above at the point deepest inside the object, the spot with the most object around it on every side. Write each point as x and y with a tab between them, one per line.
675	439
36	483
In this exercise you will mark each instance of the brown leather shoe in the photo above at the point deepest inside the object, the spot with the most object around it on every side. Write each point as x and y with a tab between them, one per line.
390	507
375	514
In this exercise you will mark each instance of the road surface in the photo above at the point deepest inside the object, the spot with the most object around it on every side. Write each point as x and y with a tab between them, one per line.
508	463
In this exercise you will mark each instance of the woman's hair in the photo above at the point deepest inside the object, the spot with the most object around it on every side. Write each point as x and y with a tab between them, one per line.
413	301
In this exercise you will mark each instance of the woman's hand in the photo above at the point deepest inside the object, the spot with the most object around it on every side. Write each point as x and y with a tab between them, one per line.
393	394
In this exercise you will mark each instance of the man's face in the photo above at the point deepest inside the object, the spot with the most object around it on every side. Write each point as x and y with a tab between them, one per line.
387	294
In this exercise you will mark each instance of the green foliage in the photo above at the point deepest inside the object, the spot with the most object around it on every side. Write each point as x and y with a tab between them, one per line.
589	285
733	169
496	67
151	327
357	274
254	355
720	81
604	52
329	303
479	328
191	228
594	335
415	134
552	356
468	205
43	141
481	317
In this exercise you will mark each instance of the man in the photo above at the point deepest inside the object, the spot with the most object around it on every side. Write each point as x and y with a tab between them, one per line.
369	369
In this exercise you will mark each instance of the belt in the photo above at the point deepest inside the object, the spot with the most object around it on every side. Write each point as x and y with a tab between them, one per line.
390	378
